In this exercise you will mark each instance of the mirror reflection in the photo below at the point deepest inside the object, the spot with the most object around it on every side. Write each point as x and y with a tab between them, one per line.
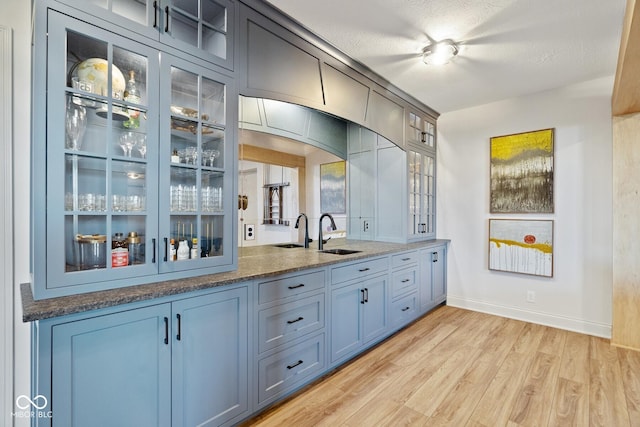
283	148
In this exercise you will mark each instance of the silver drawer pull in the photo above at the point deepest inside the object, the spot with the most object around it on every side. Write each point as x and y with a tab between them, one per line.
299	362
362	270
406	308
297	286
294	321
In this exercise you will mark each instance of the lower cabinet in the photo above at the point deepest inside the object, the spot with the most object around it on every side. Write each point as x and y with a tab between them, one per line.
195	360
358	315
283	370
183	363
290	336
210	359
433	280
112	370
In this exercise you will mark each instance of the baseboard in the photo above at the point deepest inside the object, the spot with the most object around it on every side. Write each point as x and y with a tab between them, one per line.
561	322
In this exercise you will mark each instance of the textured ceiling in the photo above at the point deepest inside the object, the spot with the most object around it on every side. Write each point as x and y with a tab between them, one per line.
508	47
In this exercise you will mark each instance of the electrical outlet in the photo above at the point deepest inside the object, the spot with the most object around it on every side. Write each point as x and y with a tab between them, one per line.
365	225
249	232
531	296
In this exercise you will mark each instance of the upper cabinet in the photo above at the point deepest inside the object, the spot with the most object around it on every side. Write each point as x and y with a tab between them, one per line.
277	63
132	151
277	66
386	117
421	165
199	27
421	130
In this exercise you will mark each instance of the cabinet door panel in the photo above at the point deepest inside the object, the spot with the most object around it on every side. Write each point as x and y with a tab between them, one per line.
374	314
390	179
344	94
439	280
113	370
197	165
276	65
345	321
98	182
386	117
210	360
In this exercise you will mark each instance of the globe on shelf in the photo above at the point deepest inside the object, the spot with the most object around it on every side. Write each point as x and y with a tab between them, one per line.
95	72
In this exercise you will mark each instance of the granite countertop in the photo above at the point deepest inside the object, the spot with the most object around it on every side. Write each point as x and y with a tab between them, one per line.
253	263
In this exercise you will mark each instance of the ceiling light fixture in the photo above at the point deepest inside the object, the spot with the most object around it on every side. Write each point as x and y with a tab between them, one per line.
440	53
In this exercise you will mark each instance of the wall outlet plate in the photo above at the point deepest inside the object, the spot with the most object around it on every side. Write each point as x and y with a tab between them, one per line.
249	232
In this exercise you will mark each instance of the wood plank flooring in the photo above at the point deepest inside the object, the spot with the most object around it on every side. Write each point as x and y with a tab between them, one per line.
456	367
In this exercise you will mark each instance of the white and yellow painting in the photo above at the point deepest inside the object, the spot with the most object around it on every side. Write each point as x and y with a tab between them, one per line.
521	246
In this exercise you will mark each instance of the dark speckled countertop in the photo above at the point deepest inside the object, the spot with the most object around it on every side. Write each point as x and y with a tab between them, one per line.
253	263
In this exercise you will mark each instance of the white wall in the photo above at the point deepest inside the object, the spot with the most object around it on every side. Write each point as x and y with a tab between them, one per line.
16	14
578	297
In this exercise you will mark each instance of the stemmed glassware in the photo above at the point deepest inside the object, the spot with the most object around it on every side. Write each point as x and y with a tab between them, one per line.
141	145
209	157
75	125
127	141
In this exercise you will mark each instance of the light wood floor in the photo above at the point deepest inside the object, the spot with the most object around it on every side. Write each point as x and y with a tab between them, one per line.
461	368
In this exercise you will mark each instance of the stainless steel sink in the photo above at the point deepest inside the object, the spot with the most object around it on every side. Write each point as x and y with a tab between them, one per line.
288	245
340	251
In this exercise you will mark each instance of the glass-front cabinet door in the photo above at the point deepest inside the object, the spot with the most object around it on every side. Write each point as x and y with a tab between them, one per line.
421	131
101	145
421	195
199	27
196	160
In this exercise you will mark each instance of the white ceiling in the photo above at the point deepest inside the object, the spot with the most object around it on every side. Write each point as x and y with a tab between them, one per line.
508	47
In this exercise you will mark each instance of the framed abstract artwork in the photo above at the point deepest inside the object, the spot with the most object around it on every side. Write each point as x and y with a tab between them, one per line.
522	172
333	187
521	246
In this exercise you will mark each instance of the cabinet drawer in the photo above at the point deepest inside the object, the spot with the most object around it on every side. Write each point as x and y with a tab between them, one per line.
404	259
359	269
287	368
404	281
404	310
281	324
288	286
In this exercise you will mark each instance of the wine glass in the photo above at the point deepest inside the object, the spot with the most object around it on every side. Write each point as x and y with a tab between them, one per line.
127	141
75	125
141	145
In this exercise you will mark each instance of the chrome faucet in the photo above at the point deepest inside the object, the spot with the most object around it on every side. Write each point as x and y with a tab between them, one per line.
333	227
306	228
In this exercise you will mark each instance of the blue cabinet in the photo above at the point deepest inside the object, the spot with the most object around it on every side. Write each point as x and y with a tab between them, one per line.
433	277
112	370
210	359
105	178
204	29
182	363
358	315
290	338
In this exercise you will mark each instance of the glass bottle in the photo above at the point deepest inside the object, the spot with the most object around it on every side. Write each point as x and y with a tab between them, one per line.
119	251
172	250
134	244
194	248
132	94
